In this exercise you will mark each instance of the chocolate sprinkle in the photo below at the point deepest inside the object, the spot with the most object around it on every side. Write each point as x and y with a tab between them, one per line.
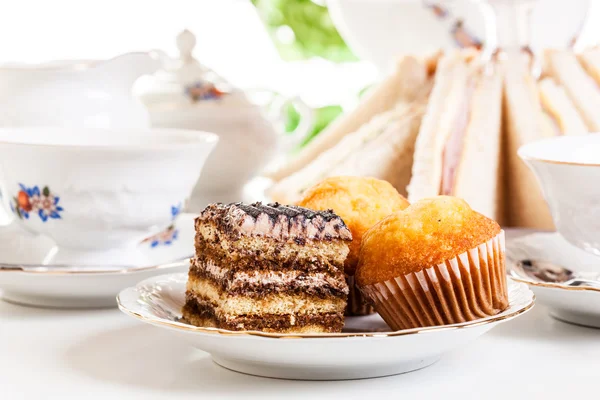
230	217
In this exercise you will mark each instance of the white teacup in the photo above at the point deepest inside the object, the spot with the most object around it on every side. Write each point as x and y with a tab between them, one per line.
568	169
98	193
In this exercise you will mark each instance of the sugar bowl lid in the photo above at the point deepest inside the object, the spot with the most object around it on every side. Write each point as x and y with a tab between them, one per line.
184	82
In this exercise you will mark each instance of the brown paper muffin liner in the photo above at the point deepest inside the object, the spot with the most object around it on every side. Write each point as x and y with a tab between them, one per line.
467	287
357	304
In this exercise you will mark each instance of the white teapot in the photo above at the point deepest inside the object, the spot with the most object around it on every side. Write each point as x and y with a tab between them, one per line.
188	95
95	94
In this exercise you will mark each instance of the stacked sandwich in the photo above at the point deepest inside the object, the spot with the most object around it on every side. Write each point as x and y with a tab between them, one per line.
451	124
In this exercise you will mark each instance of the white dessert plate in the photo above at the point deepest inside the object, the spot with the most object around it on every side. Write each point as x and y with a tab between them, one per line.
579	305
26	279
366	349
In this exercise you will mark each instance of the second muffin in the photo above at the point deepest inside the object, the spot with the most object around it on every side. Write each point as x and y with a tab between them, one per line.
361	202
438	262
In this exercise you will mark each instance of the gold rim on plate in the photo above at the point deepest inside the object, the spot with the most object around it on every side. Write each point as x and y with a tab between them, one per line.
225	332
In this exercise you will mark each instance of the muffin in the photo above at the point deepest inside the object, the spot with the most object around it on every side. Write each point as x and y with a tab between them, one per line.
437	262
361	202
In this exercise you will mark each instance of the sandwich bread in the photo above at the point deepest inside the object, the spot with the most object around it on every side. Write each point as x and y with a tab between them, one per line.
458	147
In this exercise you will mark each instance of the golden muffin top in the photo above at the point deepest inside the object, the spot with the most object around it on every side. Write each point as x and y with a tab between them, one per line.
360	202
425	234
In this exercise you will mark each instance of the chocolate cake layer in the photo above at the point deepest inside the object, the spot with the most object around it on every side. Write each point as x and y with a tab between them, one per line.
202	315
254	286
206	291
236	279
276	221
262	264
210	240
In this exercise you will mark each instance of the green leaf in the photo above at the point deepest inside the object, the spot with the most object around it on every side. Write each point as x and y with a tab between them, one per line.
314	34
323	117
364	90
46	191
292	118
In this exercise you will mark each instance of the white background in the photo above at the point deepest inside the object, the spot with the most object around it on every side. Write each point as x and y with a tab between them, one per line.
231	40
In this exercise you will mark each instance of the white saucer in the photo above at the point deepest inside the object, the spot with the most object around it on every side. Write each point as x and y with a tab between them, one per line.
26	279
578	305
366	349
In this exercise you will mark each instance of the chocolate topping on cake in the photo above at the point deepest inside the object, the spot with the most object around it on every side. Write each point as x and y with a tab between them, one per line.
276	221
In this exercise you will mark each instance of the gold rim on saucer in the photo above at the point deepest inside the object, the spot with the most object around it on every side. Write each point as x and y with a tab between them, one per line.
550	285
519	278
573	163
179	260
72	270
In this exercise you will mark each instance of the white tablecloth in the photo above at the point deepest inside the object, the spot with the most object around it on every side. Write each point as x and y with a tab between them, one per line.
103	354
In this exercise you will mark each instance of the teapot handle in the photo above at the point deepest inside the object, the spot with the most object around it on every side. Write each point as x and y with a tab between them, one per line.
292	140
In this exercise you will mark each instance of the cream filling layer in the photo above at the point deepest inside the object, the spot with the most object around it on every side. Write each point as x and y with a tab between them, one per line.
279	278
274	303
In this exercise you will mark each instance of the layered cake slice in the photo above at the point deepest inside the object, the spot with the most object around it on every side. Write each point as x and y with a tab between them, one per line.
268	267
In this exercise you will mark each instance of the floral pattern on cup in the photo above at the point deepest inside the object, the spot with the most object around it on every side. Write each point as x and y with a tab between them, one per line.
169	235
203	91
32	200
459	32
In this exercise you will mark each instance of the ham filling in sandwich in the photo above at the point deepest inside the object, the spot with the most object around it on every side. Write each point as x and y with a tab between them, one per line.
458	147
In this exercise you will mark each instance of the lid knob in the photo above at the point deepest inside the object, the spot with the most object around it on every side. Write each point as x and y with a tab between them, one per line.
184	81
186	41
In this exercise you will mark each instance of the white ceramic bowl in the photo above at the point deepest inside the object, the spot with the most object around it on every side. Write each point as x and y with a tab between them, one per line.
568	169
97	193
381	30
